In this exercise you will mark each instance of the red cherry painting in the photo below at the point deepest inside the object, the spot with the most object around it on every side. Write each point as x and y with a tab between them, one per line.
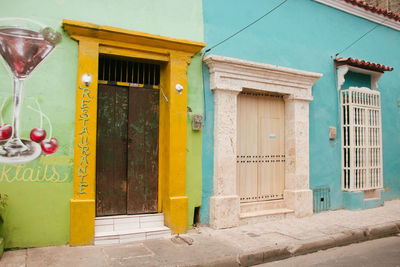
37	135
5	132
49	146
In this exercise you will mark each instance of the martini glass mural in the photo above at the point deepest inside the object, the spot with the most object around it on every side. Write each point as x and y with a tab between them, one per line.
24	44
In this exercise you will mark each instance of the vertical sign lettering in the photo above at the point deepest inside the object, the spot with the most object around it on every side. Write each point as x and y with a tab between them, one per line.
83	135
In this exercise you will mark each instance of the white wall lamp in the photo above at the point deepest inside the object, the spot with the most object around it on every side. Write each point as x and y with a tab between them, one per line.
86	79
179	88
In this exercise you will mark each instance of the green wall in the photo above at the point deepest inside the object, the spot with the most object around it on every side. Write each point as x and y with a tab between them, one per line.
194	138
38	208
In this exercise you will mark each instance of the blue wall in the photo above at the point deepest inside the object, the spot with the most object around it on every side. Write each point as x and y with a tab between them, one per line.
305	35
208	149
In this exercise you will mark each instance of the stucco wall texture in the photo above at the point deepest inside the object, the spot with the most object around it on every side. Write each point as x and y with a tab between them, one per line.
38	208
306	35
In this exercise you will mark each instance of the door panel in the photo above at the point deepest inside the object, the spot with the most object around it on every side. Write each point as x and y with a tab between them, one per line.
112	119
142	170
260	163
247	148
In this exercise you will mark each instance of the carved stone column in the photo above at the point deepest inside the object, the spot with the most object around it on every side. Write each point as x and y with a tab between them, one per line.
225	204
297	194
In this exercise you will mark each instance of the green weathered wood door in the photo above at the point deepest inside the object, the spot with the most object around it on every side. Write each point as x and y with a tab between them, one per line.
127	150
111	153
142	192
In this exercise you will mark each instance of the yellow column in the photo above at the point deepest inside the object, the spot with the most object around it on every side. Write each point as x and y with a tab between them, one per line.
173	155
83	204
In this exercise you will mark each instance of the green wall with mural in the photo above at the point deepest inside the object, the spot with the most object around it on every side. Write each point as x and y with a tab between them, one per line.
39	192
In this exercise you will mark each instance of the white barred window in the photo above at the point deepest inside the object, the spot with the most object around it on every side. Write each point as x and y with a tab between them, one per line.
361	139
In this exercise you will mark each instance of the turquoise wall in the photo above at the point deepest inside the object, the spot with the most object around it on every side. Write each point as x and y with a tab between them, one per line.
357	80
305	35
39	192
208	148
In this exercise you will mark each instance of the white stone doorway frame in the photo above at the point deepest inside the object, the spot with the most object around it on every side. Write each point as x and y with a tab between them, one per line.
228	77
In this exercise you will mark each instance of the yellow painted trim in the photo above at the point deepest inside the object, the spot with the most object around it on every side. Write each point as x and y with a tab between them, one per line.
127	84
134	53
86	123
174	56
77	29
82	222
85	148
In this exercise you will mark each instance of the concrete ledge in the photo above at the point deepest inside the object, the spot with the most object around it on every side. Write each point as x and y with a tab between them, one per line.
347	237
352	236
383	230
313	246
267	255
252	258
276	254
224	262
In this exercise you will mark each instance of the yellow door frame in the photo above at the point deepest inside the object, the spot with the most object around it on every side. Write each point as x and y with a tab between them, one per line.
174	56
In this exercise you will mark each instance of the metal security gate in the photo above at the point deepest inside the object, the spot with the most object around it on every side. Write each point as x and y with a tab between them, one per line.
260	147
127	138
361	142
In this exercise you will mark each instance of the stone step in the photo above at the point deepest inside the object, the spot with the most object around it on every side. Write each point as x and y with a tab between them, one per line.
128	228
265	215
262	206
128	222
119	237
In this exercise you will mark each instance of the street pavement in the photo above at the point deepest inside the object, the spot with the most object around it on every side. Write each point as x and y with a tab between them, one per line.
384	252
246	245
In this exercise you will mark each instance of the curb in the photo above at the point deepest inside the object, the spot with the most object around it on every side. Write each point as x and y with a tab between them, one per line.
267	255
344	238
384	230
229	261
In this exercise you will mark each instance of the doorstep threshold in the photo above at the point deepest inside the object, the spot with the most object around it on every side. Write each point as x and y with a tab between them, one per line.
265	213
133	231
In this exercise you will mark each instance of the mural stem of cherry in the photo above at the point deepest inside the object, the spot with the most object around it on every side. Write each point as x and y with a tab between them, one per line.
38	135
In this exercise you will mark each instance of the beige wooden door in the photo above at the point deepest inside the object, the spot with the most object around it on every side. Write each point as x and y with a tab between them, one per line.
260	147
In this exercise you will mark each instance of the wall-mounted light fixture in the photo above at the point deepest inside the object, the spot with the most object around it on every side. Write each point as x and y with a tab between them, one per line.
179	88
86	79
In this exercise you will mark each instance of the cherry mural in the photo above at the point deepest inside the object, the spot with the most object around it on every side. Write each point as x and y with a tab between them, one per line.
49	146
37	135
5	132
24	44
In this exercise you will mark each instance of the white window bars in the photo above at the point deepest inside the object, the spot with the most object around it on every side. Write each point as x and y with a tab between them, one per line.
361	139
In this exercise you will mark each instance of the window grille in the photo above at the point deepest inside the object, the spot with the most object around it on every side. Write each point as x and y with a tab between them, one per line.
128	72
361	139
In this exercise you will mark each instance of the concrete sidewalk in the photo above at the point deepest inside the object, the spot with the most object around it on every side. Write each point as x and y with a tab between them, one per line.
241	246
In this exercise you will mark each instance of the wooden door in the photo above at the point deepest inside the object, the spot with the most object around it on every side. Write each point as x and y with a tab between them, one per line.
111	159
127	150
260	147
142	192
247	147
271	147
